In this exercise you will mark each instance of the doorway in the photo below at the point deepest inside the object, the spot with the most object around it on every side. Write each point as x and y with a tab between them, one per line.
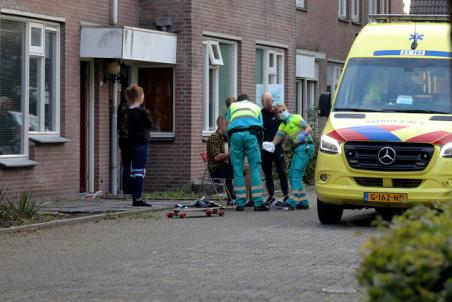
86	126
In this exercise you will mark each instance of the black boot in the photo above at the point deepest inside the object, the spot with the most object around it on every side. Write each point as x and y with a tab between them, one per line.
240	208
140	203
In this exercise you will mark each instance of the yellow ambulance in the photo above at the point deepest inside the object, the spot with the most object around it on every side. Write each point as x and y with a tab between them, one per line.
387	143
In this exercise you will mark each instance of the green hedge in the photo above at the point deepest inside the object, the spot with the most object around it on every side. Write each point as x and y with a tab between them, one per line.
412	260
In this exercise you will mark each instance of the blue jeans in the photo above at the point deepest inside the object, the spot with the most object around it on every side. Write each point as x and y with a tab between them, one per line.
138	171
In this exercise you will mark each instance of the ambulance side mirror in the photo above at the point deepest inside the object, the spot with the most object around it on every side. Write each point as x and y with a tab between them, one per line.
325	104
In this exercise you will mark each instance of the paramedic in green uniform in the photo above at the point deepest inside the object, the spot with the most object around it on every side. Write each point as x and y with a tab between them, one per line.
245	132
299	134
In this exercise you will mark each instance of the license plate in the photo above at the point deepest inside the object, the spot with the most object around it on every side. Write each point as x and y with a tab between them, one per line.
385	197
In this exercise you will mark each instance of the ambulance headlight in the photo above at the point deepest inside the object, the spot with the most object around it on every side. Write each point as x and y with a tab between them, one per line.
446	151
329	145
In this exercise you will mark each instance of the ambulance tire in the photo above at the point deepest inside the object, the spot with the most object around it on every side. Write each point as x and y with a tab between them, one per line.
329	213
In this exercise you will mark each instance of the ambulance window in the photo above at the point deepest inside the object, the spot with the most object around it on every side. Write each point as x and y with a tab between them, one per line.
395	85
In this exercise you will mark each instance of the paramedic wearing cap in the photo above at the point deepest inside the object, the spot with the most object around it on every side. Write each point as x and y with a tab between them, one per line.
299	134
245	132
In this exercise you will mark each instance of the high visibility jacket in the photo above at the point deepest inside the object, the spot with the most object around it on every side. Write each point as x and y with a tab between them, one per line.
244	114
244	109
293	128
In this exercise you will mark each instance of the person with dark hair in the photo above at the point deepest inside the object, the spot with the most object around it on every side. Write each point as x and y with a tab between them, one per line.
139	126
271	125
245	131
124	146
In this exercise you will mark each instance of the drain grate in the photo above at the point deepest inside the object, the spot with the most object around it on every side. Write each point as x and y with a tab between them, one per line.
340	290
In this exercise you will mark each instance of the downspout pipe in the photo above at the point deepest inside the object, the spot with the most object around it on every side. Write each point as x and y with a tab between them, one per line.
114	12
114	117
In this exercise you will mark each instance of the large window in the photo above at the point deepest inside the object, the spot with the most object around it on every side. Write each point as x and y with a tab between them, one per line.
376	85
379	7
29	82
220	79
158	86
306	95
342	9
270	74
356	10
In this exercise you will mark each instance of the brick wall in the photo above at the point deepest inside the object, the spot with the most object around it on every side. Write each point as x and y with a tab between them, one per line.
57	174
174	164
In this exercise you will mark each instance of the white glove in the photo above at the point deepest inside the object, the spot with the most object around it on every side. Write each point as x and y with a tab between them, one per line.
269	147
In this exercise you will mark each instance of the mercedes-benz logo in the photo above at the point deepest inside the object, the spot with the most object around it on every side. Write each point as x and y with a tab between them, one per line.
387	156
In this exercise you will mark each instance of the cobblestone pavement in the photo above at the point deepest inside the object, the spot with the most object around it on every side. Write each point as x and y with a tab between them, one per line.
275	256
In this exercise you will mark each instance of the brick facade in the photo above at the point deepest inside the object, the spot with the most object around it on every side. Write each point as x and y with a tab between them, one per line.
57	174
272	21
173	163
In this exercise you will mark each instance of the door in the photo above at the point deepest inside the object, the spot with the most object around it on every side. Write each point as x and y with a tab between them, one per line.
86	127
84	74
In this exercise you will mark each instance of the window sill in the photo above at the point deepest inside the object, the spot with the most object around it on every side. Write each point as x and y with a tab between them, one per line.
343	19
356	22
17	163
163	138
48	139
302	9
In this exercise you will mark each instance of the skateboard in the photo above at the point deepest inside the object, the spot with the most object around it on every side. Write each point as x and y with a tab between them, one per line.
184	212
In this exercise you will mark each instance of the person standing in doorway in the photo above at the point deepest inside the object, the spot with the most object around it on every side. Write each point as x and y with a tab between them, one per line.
139	126
124	146
271	124
245	131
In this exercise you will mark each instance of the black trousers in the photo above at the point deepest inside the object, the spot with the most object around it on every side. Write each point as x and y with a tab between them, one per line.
267	166
126	164
226	172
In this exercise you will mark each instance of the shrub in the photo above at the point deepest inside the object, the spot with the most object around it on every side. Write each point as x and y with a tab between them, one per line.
25	208
412	260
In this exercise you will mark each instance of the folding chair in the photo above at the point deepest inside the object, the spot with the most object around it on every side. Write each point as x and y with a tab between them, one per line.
215	182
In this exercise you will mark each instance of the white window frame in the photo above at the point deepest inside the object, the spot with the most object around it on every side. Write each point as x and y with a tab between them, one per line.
267	70
303	104
30	51
36	50
134	79
214	47
342	9
56	86
336	71
207	66
300	4
356	10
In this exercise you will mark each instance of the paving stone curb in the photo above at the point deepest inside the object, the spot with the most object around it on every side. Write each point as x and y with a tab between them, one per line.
71	221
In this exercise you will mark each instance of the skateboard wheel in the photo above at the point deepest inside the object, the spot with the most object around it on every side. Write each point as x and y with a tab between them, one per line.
208	213
183	215
221	213
169	215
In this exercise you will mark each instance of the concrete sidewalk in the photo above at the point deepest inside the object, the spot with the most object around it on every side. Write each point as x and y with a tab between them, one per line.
103	206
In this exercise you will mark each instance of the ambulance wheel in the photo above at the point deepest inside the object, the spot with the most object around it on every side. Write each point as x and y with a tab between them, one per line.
329	213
